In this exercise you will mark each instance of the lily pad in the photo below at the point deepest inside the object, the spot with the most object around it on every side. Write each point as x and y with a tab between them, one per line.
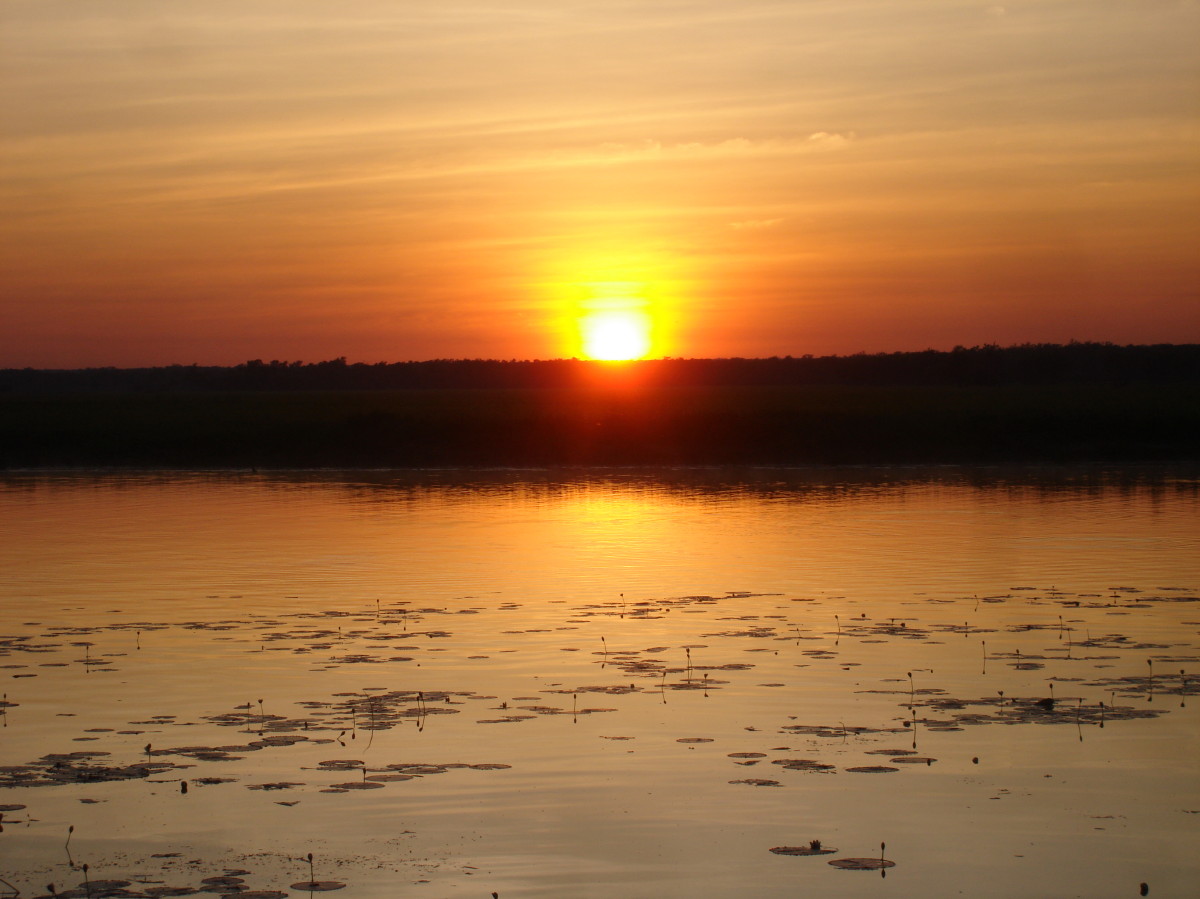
757	782
803	765
801	850
862	864
318	886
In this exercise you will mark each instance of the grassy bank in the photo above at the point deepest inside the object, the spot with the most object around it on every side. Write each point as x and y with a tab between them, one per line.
532	427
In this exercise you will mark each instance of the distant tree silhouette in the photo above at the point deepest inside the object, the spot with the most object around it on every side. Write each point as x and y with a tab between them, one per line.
979	366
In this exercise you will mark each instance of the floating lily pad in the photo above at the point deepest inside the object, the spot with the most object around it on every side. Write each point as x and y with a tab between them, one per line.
318	886
862	864
277	785
803	765
873	769
801	850
419	769
164	892
757	782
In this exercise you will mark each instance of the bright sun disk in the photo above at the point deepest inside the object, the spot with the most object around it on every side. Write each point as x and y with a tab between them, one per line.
616	335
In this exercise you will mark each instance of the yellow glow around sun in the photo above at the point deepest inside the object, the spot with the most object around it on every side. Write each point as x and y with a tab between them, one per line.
616	335
613	306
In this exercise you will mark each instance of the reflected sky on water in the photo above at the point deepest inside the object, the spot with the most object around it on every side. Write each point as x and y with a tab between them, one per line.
641	648
597	534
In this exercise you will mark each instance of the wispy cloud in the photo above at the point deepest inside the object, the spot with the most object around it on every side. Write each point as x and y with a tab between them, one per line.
257	148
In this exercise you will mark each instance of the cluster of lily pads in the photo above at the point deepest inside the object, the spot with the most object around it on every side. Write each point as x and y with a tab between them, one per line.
336	639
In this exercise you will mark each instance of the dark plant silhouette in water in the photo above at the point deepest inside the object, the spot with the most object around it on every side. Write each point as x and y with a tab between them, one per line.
312	885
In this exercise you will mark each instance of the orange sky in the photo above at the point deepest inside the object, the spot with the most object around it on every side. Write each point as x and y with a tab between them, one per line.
408	179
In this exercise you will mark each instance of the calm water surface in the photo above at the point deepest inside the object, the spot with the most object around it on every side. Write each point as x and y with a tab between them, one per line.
585	684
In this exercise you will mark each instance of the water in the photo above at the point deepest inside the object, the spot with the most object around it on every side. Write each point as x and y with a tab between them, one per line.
563	633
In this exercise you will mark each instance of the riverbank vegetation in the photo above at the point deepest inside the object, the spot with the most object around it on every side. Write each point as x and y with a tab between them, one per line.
1080	403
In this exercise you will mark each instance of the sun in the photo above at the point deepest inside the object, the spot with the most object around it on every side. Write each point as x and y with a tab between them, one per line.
616	335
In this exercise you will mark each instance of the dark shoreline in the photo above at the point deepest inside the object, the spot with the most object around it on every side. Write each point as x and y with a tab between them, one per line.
1079	403
620	426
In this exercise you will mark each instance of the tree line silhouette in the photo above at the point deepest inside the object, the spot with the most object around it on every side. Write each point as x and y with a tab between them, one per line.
1080	402
979	366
